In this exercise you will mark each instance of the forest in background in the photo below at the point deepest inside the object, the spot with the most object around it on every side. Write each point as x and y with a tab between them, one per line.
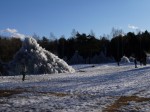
86	46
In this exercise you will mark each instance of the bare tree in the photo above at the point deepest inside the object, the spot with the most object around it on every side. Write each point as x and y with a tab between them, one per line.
116	32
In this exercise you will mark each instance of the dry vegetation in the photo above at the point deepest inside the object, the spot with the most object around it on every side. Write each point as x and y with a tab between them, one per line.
7	93
123	101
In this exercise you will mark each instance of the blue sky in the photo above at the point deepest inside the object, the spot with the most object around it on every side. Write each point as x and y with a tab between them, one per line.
27	17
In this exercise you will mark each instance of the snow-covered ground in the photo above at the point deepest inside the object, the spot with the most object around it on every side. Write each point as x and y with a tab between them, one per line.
98	88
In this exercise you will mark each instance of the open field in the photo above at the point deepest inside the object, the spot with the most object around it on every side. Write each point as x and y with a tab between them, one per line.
98	88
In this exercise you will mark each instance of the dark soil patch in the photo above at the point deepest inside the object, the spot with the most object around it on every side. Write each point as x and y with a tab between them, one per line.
7	93
55	94
123	101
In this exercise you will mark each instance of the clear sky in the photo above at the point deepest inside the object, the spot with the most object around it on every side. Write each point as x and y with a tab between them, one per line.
61	16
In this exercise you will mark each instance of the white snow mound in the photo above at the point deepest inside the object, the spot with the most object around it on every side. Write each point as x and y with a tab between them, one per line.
37	60
125	59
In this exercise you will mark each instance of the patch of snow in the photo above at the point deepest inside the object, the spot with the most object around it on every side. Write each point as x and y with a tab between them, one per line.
98	87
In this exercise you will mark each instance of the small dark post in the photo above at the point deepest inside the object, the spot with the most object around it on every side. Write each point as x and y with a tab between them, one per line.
23	72
135	62
118	63
23	69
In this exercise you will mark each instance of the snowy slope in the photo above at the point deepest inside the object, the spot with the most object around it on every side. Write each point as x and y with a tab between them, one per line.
92	88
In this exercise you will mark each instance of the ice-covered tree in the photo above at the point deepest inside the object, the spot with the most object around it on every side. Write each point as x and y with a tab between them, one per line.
125	59
76	59
101	58
37	60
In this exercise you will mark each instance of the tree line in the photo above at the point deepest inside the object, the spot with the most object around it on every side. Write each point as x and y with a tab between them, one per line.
87	45
8	47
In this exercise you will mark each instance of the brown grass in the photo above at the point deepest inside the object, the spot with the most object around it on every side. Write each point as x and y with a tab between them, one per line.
7	93
55	94
124	100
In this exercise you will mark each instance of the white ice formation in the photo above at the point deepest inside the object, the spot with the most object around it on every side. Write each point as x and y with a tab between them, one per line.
37	60
125	59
